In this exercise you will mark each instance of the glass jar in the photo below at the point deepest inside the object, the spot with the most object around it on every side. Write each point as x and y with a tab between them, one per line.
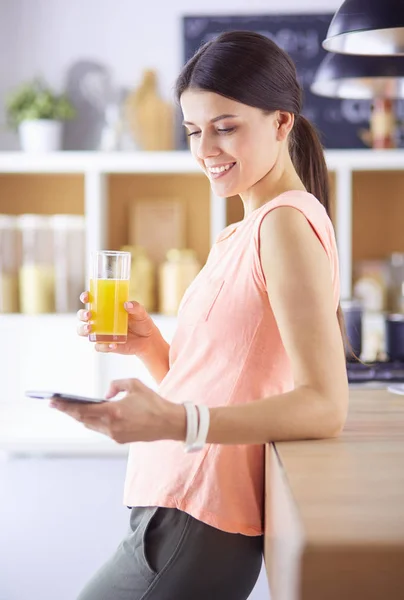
9	264
175	275
142	277
396	287
37	272
69	261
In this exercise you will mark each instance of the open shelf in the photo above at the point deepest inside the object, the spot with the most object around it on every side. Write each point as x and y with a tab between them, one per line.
367	210
41	194
192	190
377	214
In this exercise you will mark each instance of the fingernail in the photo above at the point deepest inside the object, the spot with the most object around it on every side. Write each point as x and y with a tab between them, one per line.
112	346
87	314
128	304
82	297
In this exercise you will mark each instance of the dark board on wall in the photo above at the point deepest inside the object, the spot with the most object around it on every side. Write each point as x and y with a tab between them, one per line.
301	35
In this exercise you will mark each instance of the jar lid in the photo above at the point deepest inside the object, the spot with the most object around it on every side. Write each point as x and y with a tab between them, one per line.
351	304
68	222
32	221
175	254
8	221
395	317
397	259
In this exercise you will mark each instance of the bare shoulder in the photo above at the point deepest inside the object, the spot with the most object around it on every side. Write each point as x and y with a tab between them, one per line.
286	236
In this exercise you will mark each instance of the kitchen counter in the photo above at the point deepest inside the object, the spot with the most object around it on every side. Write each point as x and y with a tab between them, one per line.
335	508
31	428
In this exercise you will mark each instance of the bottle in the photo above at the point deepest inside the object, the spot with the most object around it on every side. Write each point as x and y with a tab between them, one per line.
396	283
69	261
142	286
9	264
37	271
175	275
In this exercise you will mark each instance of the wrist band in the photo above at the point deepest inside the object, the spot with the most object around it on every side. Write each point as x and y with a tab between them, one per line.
197	429
192	425
204	422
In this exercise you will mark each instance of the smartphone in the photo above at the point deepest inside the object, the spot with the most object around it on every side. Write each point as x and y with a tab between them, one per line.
60	396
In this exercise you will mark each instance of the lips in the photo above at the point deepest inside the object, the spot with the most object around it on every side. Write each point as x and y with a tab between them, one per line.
220	170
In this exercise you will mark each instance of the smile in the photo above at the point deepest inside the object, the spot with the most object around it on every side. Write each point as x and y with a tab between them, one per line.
217	172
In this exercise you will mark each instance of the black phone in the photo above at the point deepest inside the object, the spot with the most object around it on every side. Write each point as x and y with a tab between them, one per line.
61	396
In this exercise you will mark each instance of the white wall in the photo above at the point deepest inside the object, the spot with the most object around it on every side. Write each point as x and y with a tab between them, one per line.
46	36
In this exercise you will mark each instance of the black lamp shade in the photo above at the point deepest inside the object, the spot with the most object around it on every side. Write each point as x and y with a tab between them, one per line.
367	27
360	77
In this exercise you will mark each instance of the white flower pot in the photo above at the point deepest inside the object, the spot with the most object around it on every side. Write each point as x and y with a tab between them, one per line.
42	135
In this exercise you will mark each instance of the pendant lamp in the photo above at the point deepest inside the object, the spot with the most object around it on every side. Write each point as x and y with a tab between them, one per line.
360	77
367	27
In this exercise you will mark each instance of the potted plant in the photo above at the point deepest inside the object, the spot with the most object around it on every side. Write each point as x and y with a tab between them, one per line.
38	114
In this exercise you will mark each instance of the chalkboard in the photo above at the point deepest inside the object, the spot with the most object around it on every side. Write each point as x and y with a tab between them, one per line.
301	35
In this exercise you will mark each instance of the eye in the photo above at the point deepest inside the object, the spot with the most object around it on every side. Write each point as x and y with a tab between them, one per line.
226	130
193	133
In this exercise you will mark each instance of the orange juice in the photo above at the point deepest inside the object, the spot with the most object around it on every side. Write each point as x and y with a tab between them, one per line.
109	319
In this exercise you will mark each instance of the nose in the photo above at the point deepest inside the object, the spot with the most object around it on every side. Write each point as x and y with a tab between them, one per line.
207	147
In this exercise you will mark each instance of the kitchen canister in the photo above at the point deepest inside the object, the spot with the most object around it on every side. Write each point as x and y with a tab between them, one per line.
10	258
353	311
175	275
142	285
69	261
37	271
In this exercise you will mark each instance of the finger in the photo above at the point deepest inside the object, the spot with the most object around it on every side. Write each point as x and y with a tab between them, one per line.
84	315
83	330
83	412
105	347
134	308
84	297
122	385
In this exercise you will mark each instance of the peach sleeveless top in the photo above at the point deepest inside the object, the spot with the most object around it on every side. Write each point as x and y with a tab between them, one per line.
226	350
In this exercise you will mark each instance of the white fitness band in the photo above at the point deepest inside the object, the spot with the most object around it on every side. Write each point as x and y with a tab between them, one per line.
195	440
204	422
192	425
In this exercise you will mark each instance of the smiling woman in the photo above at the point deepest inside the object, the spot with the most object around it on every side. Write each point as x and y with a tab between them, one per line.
257	355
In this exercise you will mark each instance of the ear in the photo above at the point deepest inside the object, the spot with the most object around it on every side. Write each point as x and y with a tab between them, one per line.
285	121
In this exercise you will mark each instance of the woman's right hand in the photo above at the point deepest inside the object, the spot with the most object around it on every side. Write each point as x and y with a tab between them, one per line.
141	329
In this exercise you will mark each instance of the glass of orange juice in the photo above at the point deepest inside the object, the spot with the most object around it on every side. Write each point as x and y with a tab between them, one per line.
109	290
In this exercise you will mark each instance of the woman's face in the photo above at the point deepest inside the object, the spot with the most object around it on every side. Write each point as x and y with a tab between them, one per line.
235	144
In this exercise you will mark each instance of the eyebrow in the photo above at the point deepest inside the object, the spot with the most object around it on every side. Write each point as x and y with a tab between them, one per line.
219	118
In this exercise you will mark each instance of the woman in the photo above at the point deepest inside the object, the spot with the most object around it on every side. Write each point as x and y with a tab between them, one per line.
258	341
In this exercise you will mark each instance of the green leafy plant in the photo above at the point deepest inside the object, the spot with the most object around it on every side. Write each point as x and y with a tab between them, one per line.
34	100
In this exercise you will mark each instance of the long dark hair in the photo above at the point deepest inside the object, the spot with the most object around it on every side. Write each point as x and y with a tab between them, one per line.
250	68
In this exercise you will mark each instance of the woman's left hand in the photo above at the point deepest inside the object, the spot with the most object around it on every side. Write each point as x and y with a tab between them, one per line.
141	416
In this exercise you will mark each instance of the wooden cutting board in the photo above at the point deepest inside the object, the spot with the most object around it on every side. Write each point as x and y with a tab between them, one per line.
150	118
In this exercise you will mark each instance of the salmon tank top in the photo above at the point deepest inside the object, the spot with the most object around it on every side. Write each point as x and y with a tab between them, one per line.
226	350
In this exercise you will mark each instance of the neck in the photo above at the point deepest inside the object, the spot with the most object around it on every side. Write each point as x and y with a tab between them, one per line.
281	178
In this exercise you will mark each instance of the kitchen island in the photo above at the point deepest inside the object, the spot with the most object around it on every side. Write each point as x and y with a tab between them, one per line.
335	508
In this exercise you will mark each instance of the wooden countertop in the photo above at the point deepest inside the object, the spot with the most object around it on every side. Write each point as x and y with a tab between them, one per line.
335	508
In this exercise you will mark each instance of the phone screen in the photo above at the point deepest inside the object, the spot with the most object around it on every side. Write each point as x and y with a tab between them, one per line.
61	396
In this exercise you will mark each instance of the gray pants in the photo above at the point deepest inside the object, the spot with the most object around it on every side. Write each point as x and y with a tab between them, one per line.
169	555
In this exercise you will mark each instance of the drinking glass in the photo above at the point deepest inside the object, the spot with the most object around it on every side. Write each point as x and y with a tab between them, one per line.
109	290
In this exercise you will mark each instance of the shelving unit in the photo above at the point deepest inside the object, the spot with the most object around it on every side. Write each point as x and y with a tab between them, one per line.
367	211
367	191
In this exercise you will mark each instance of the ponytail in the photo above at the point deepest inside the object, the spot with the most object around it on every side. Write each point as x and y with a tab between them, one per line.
308	159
